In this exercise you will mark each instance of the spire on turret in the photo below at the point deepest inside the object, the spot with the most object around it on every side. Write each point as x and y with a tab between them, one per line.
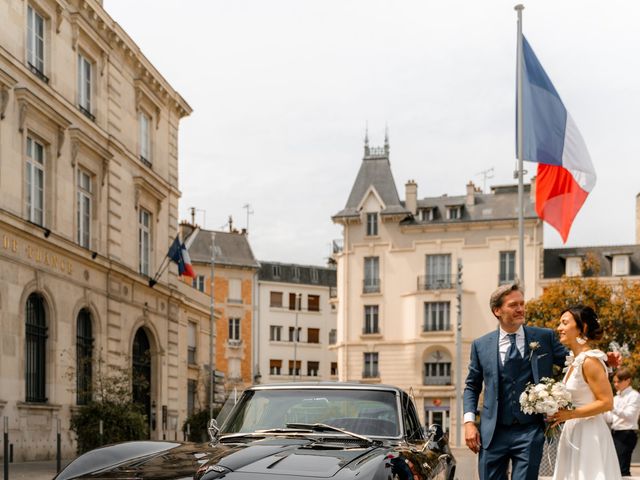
366	140
386	140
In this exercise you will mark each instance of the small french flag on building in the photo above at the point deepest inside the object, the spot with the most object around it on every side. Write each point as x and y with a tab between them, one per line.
179	253
550	137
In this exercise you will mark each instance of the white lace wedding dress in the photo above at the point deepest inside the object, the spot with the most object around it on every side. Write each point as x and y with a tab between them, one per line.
585	447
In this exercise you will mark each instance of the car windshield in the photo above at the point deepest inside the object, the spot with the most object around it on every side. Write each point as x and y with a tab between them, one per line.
365	412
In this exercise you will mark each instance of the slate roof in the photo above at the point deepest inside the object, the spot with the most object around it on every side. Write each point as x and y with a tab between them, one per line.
555	258
232	249
326	275
500	204
375	171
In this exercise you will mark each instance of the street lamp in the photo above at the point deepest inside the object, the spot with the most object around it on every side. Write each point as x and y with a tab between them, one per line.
212	327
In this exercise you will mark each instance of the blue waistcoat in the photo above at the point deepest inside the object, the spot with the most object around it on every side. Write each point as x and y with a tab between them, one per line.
509	390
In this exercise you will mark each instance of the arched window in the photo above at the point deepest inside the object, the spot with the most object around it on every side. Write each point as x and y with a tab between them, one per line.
141	363
437	368
84	355
35	349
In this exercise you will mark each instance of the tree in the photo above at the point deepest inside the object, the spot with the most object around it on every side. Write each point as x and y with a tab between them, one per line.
112	403
617	305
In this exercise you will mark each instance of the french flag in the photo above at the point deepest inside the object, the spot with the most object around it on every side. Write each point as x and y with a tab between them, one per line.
550	137
179	253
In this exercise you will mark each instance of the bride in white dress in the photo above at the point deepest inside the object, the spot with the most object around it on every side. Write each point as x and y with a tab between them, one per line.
585	447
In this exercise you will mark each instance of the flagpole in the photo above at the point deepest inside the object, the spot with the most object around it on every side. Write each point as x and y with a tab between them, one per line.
520	171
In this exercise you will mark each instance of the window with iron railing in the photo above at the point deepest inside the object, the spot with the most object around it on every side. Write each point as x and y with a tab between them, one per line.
334	369
275	367
192	338
313	368
370	369
36	334
370	319
436	316
437	373
84	358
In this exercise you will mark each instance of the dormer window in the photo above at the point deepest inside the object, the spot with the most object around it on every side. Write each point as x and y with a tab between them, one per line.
427	214
275	270
620	265
372	224
573	267
454	212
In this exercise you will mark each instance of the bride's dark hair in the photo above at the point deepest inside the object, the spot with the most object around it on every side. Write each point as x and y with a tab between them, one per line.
586	316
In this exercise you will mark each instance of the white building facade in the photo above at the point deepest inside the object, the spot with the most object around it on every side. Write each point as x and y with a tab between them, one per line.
297	323
397	306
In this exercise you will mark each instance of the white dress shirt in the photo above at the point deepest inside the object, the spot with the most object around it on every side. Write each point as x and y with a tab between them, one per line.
503	347
626	409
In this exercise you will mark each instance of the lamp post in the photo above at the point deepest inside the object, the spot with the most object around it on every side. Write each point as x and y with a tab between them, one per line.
212	327
296	337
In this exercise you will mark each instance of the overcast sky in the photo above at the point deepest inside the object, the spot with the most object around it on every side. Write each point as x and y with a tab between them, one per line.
282	90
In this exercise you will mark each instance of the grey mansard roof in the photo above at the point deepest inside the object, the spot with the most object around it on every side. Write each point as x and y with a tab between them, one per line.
326	275
233	249
555	258
375	171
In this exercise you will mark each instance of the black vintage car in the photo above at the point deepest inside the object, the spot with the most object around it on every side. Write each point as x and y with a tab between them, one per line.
291	431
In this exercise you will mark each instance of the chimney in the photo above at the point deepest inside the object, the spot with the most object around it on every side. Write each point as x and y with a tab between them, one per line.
471	198
411	196
532	192
638	218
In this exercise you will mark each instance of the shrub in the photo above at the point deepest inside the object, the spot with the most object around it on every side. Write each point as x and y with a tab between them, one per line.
198	422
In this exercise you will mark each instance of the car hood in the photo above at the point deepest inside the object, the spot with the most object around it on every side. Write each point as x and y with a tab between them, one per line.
275	457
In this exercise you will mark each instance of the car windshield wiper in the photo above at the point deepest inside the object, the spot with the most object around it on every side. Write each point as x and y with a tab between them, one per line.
323	427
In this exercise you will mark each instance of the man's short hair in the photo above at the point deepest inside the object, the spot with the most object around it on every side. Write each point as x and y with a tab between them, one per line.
497	297
622	374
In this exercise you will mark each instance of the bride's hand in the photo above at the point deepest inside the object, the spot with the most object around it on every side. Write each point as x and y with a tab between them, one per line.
560	416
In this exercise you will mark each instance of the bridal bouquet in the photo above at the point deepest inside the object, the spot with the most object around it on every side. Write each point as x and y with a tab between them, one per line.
546	397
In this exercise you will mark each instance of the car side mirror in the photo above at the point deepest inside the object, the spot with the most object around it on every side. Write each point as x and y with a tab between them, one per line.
213	430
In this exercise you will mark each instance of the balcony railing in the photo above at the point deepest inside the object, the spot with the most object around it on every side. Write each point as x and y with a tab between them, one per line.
436	282
371	285
437	380
370	329
440	327
370	373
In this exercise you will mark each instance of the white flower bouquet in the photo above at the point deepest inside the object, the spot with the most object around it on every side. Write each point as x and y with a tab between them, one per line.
546	397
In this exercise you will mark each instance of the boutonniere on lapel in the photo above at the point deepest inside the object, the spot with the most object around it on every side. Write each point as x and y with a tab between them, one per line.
533	346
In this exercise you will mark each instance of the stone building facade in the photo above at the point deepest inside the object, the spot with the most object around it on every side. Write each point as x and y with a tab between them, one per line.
89	182
297	296
397	304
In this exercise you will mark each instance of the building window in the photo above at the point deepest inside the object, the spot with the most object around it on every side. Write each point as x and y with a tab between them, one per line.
371	275
144	240
454	213
35	43
437	370
84	85
436	317
315	278
313	303
84	355
296	370
292	336
370	365
427	214
313	335
275	299
275	333
36	348
334	369
85	200
507	267
35	181
372	224
313	368
275	367
370	319
234	329
620	265
333	336
235	291
438	272
192	338
192	395
275	270
296	273
145	138
573	267
295	301
198	283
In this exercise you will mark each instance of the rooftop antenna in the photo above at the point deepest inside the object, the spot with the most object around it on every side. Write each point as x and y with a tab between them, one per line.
488	173
247	206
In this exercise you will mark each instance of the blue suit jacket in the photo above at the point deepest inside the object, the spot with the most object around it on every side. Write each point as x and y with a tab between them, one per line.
484	369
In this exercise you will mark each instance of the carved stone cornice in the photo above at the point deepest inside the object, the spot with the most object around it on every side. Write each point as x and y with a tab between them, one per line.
143	185
6	83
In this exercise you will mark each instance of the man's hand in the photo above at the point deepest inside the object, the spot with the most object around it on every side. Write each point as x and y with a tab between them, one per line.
472	437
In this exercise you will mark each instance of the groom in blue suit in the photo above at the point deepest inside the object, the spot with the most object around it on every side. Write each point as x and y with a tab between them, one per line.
505	360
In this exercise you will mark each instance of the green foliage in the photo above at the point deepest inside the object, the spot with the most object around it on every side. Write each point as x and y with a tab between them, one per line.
617	305
123	420
198	423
